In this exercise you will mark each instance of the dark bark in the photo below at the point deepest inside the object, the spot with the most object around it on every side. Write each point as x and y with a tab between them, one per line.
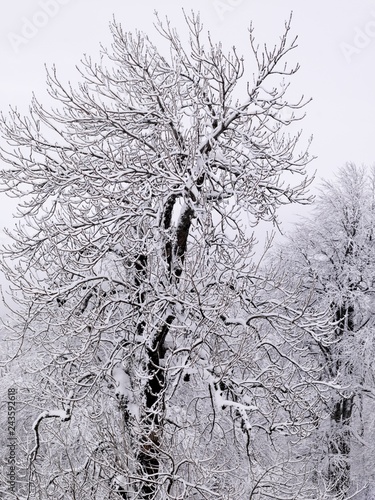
140	277
167	221
339	446
181	239
149	454
154	393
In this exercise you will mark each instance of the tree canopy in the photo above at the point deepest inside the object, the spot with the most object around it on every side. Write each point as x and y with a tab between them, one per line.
332	254
166	364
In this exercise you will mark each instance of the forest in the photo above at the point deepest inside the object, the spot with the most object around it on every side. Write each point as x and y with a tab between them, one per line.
150	350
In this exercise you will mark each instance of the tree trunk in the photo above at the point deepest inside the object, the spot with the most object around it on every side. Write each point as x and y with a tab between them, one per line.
150	440
341	415
339	447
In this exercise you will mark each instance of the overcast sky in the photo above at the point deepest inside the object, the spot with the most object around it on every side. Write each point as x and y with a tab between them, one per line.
336	50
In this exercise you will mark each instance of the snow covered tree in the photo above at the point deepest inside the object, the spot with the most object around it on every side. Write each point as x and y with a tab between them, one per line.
163	368
332	255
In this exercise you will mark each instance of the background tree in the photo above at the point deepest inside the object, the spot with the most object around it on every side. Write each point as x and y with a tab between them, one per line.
332	255
153	341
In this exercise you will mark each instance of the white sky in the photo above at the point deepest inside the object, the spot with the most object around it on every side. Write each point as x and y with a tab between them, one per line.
340	117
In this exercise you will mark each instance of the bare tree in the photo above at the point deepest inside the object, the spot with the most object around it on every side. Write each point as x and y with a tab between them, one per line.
332	254
154	342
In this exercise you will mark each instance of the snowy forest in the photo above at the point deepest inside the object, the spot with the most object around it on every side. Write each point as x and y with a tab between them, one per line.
151	351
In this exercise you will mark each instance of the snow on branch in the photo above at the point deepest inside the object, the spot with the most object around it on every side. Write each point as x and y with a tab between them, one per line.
63	415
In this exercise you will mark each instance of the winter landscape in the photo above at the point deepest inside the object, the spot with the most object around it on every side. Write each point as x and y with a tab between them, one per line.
170	331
